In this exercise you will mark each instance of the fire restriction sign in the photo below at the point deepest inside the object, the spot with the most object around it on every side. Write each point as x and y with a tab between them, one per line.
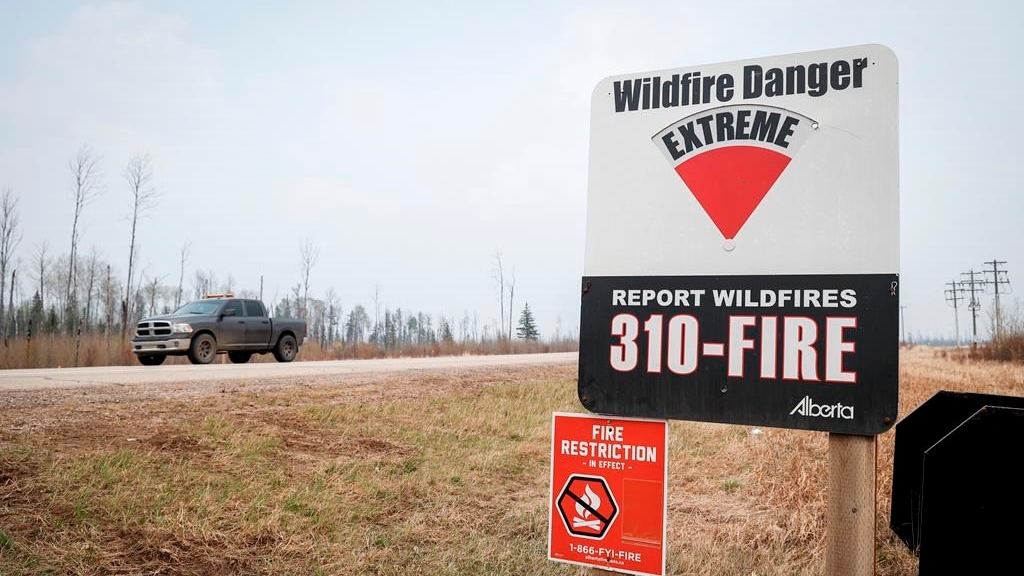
608	485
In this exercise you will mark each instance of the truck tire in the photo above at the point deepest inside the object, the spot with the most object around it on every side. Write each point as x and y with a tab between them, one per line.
203	349
239	357
152	359
286	348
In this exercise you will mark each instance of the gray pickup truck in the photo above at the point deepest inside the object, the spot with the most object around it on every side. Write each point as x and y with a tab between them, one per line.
218	323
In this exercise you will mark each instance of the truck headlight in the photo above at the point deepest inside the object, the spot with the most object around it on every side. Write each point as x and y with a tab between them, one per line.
181	328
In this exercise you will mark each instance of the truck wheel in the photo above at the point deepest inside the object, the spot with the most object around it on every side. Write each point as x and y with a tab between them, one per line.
203	349
152	359
239	357
286	348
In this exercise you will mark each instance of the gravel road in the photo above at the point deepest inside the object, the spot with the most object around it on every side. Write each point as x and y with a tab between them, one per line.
39	379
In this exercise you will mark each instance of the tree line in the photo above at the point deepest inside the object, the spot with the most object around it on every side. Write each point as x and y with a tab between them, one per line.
74	292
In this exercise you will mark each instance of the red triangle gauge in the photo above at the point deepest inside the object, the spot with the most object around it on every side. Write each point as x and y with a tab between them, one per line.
730	157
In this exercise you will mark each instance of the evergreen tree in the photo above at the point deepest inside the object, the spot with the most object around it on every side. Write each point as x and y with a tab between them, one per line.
356	325
527	329
37	313
445	331
52	321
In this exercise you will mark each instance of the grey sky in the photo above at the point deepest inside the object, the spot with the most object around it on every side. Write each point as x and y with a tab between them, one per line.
411	140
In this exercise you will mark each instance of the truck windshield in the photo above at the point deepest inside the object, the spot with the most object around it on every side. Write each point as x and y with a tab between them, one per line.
199	307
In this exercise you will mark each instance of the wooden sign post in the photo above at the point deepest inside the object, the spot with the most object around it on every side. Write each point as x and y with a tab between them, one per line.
850	518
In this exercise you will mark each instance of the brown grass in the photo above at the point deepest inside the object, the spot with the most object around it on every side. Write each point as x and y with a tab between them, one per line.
53	350
1006	348
61	350
418	473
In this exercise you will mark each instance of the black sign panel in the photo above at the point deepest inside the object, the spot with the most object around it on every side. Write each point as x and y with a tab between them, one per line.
813	352
971	504
922	430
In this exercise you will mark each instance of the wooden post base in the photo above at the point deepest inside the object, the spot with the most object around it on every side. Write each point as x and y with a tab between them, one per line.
850	528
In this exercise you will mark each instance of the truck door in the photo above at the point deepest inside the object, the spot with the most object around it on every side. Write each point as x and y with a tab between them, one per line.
257	325
231	326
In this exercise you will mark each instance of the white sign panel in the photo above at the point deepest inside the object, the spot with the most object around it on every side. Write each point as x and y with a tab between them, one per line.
781	165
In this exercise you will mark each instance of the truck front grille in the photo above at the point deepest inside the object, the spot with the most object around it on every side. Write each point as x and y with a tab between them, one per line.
154	328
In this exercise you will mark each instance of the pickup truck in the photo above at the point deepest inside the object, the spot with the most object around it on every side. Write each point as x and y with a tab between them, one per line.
216	324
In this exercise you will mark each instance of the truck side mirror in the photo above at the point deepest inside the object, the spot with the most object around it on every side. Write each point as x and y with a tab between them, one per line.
228	312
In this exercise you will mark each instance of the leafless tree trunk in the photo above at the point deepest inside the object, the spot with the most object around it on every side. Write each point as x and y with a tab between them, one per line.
204	283
181	274
85	187
333	314
10	236
511	294
498	274
90	285
12	328
376	314
41	263
139	175
308	255
108	302
136	311
153	289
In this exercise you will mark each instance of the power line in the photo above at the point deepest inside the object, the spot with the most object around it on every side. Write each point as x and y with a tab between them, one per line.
998	278
972	286
955	293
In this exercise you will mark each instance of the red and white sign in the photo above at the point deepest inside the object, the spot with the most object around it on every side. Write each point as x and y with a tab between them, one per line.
609	479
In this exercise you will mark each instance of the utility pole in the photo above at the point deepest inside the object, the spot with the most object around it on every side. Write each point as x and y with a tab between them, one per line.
955	293
972	285
998	277
903	324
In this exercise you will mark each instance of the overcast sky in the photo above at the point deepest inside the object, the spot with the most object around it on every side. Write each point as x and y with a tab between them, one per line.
410	141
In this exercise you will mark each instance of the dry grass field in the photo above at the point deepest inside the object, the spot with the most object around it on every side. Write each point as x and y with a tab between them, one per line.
62	350
440	473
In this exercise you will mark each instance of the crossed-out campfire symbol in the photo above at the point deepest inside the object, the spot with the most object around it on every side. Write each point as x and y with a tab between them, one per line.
587	506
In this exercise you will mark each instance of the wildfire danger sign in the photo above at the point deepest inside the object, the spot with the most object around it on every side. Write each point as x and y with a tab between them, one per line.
609	480
742	245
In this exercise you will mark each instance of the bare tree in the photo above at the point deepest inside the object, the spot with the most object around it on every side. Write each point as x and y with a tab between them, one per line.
138	310
333	315
181	274
204	283
498	274
376	314
10	236
153	291
108	302
40	262
12	328
90	279
511	294
85	187
139	175
308	255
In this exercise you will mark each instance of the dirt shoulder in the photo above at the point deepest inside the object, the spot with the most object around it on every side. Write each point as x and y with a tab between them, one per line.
34	410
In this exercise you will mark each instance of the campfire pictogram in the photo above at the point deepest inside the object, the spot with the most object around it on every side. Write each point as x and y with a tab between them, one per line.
584	519
587	506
